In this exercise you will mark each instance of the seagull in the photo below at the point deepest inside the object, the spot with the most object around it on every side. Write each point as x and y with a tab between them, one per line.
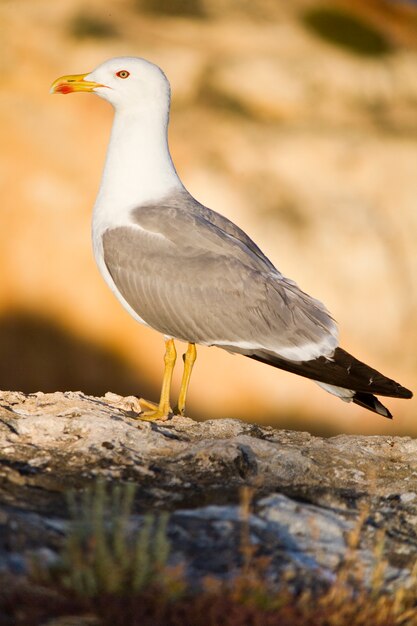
189	272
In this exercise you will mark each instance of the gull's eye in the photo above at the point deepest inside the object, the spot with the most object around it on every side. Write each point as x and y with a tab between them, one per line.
123	74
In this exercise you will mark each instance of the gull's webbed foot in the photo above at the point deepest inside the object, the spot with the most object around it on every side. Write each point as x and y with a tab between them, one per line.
156	411
156	415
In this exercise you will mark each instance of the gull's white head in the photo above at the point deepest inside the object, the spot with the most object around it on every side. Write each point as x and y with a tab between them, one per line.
126	82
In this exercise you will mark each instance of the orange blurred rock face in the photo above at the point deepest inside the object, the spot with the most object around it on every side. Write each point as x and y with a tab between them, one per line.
309	149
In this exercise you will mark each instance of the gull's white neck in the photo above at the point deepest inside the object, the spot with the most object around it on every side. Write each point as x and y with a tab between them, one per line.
138	166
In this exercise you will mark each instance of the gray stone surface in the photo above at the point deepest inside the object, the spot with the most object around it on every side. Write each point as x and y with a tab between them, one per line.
309	494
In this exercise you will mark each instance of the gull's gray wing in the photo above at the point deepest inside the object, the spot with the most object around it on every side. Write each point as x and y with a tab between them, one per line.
181	199
192	274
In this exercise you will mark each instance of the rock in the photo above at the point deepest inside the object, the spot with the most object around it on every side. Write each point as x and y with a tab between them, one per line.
262	86
308	494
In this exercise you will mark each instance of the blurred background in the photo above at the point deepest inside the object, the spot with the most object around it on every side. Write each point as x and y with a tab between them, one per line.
297	120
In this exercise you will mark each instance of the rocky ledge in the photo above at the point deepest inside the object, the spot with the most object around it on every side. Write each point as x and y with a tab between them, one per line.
309	495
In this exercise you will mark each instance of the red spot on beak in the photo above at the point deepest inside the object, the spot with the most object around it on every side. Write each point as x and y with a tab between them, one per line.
64	88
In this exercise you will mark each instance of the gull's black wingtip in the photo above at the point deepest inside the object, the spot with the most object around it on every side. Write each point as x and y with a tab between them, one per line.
371	402
406	393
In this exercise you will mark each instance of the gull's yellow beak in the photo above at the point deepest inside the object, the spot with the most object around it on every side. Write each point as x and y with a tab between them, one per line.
72	83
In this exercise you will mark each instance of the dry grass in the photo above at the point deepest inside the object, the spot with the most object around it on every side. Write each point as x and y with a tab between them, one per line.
118	577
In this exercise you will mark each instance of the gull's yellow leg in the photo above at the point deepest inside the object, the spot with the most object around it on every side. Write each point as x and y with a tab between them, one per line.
189	360
163	409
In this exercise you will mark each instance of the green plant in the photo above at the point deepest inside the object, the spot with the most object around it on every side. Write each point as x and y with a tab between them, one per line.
103	554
